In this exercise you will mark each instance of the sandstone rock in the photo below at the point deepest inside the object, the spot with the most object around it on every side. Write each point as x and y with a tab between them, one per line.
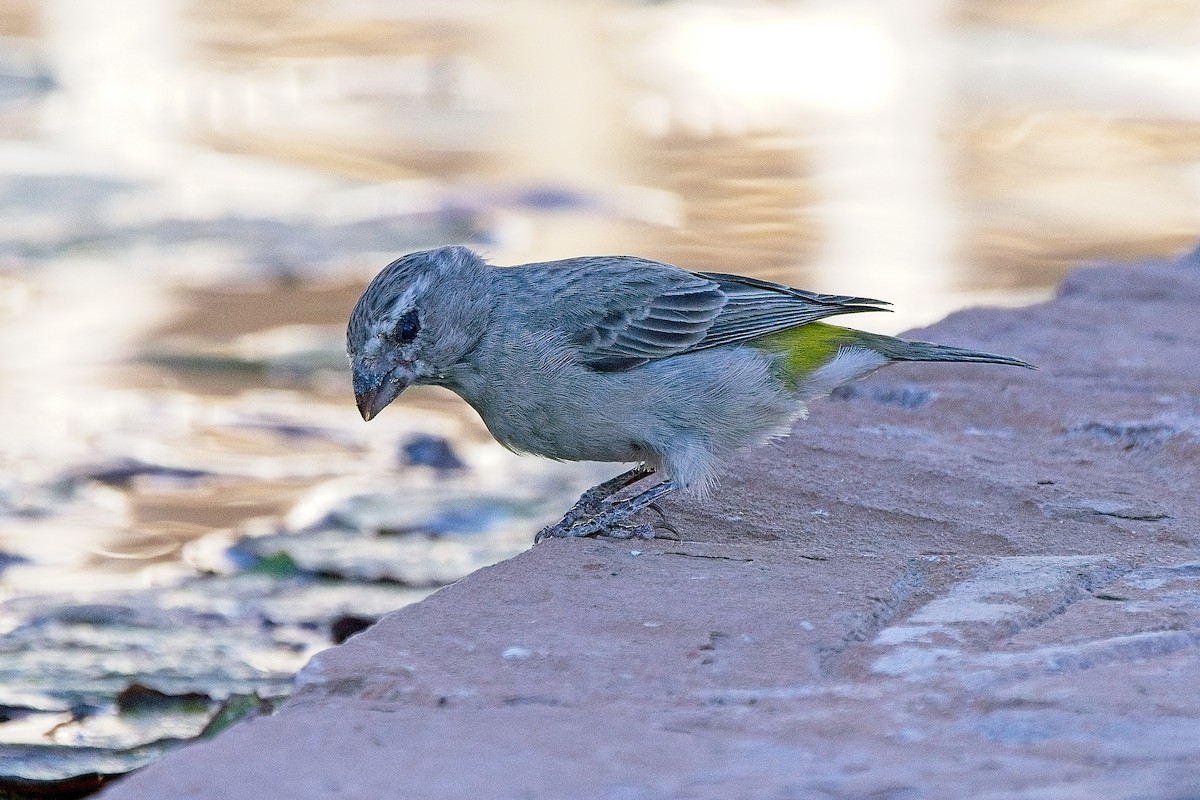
992	592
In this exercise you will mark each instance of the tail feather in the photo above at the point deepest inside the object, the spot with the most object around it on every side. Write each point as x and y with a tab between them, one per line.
905	350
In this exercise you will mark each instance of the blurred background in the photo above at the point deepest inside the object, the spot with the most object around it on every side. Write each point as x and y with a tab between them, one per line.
194	192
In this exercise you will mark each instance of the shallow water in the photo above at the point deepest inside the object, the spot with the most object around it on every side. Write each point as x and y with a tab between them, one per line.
192	196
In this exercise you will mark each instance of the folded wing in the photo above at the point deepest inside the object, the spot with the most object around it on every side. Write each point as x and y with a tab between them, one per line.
659	311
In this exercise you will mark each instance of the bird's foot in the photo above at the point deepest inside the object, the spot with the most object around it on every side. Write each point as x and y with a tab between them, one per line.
559	530
608	518
627	531
592	502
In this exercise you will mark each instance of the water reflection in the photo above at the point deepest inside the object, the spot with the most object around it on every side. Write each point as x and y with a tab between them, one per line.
193	194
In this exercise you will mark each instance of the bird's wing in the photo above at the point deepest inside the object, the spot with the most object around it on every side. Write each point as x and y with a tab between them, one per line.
756	308
645	319
659	311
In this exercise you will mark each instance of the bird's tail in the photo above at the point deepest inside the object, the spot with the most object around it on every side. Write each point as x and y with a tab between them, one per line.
904	350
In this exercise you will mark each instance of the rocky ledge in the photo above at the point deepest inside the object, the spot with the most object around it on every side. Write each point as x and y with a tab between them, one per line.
952	580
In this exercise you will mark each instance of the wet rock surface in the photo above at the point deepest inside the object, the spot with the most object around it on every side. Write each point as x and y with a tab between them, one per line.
994	591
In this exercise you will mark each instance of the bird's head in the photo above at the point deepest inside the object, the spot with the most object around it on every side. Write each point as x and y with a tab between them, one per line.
416	320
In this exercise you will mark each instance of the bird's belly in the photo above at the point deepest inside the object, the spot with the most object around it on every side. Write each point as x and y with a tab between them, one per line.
707	402
565	432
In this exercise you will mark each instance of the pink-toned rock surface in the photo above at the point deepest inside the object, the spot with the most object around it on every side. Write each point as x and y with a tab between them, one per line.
952	580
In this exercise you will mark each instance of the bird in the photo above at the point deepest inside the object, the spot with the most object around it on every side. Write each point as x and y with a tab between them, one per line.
615	359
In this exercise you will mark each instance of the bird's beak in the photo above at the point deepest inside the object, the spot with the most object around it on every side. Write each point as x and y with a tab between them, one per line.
373	394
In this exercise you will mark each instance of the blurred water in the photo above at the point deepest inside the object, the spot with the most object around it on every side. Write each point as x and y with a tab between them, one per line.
193	194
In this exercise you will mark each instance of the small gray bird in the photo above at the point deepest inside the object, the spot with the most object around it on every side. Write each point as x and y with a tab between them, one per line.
614	358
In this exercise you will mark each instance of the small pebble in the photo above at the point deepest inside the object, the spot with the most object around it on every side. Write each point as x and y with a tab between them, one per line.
425	450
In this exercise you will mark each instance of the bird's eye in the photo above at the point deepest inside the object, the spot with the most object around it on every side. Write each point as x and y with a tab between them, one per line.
406	329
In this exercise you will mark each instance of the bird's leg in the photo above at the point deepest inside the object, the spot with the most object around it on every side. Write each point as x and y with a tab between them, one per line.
592	502
609	520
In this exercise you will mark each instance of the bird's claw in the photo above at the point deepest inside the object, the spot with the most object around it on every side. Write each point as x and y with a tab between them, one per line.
615	530
594	517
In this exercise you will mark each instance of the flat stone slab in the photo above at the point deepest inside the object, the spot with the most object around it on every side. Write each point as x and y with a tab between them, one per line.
953	580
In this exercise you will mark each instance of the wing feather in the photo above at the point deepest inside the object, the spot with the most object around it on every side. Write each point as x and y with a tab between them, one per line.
639	311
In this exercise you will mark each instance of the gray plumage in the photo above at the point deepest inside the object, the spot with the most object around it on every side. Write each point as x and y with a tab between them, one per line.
608	358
